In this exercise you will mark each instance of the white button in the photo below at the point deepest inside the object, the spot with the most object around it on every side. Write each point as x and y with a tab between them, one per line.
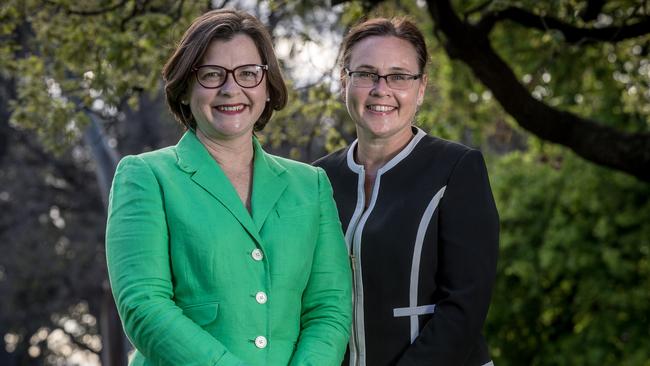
261	297
257	254
260	342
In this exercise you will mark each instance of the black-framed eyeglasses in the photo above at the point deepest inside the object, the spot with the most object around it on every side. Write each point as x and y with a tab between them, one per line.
367	79
214	76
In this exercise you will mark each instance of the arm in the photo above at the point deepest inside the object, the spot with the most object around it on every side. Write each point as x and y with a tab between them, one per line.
137	252
468	247
327	300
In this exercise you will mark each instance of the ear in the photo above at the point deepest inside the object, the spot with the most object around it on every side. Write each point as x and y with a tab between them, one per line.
422	89
185	98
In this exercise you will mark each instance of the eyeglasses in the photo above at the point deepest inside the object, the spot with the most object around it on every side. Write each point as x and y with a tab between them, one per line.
366	79
246	76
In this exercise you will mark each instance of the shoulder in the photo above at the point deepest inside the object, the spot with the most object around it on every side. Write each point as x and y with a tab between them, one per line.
293	166
158	156
151	157
148	162
304	181
461	165
445	153
296	173
445	148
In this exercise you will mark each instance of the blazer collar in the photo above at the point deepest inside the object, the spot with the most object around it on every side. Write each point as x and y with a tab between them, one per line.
418	134
268	183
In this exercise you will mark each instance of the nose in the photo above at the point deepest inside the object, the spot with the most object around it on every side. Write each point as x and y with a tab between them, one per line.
380	88
229	87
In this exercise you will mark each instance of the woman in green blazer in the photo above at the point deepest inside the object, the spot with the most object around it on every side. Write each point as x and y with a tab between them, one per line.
219	253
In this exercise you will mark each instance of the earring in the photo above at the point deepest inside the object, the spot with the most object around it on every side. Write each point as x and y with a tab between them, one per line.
268	99
184	101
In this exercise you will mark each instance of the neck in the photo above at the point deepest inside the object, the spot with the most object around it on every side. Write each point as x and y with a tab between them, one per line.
374	153
235	157
229	153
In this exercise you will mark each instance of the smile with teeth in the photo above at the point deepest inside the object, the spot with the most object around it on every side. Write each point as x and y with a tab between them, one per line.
230	108
379	108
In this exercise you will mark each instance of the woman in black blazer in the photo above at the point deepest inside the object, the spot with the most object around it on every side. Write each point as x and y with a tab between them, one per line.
418	214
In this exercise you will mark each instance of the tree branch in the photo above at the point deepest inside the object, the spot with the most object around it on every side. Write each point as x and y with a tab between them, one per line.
594	7
572	34
589	139
477	8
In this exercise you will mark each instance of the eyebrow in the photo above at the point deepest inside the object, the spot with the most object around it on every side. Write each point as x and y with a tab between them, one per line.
391	69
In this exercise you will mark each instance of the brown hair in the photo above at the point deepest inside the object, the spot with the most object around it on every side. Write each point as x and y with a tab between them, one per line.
220	24
400	27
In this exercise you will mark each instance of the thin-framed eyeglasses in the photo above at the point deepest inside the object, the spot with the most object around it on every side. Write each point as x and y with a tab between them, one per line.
214	76
367	79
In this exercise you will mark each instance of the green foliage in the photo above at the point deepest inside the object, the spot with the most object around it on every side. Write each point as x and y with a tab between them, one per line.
313	114
574	267
75	55
607	82
41	108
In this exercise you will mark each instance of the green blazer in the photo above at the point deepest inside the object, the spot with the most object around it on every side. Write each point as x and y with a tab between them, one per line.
199	281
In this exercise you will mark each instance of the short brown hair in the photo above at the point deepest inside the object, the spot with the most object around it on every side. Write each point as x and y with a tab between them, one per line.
400	27
220	24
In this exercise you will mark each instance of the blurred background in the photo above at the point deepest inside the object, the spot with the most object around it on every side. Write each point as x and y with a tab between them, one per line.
555	93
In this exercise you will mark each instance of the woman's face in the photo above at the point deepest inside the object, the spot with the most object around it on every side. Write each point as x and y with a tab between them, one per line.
381	112
229	111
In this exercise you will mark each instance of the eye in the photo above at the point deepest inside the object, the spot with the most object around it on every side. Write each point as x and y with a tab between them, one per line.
247	74
212	74
400	77
363	75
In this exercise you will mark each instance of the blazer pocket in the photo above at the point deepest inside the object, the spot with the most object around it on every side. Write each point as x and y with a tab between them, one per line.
202	314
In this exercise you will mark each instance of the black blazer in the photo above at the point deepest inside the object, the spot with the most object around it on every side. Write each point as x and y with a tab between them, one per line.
423	253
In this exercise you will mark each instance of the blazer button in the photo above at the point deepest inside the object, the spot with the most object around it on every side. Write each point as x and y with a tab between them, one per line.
257	254
261	297
260	342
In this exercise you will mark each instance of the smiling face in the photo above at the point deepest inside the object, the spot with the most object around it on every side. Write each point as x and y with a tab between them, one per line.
229	111
380	112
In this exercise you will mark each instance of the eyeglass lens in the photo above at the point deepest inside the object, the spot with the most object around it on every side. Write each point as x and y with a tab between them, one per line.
247	76
394	81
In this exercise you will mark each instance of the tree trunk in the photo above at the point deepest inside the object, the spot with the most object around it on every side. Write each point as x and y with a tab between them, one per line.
114	343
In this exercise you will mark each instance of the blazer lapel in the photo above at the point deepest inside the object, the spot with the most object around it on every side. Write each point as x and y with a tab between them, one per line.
268	184
193	158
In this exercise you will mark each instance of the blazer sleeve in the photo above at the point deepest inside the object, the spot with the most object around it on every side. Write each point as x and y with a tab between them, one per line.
327	300
468	241
137	251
